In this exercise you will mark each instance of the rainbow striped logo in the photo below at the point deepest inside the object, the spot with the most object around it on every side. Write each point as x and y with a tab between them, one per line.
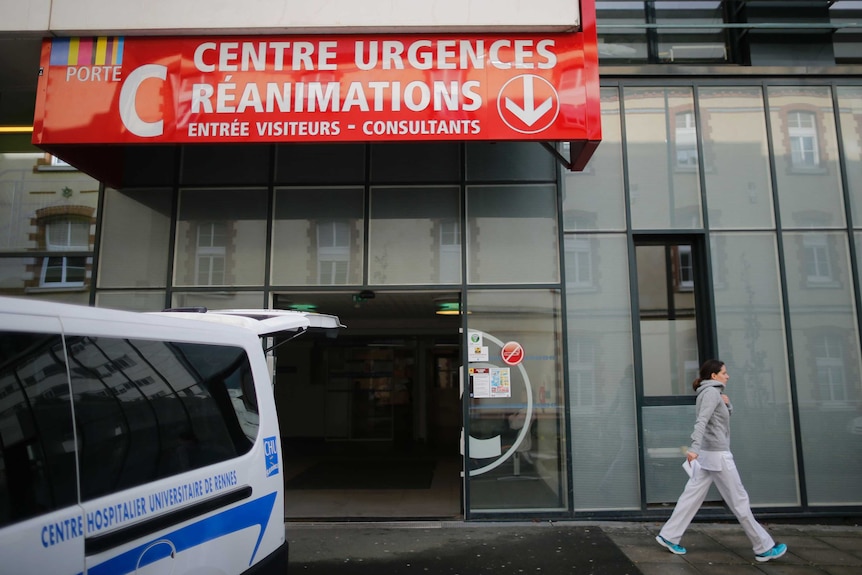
101	51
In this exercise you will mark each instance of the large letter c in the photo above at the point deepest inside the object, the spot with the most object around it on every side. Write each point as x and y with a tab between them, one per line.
128	114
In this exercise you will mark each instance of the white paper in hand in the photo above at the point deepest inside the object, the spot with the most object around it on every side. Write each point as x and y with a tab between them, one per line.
691	468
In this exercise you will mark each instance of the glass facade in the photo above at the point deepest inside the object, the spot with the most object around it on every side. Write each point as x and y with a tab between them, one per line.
218	238
752	340
48	217
720	216
143	214
516	437
409	221
736	158
328	225
661	146
825	340
602	398
512	234
762	175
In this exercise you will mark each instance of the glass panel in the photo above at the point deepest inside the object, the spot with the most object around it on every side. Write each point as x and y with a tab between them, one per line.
736	155
55	278
414	236
220	300
136	233
806	157
37	438
752	336
850	106
219	238
63	272
33	196
601	386
149	166
427	162
827	364
696	44
224	165
857	239
166	404
131	300
621	44
509	161
847	41
517	432
668	318
512	234
318	236
667	435
594	198
313	164
661	140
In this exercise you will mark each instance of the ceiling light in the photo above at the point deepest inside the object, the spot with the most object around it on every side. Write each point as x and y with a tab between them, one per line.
16	129
448	308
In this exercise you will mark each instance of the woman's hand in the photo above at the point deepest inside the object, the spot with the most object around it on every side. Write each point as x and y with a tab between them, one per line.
726	399
690	455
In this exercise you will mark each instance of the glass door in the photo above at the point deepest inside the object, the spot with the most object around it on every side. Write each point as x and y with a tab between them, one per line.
676	336
515	427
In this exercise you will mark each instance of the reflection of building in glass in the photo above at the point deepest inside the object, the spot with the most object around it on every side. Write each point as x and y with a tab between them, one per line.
829	352
449	251
582	372
686	141
49	213
211	253
333	252
65	233
818	269
802	133
143	410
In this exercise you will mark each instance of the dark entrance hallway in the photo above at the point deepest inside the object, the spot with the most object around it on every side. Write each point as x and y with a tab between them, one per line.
371	420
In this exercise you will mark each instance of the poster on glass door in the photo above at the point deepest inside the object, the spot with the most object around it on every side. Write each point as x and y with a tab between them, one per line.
490	382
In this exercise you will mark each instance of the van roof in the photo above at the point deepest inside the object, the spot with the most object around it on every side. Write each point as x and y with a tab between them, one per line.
261	321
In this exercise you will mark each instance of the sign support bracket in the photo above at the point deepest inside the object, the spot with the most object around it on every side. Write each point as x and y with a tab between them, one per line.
580	153
552	148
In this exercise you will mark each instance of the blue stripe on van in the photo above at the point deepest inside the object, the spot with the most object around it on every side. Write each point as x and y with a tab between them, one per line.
254	512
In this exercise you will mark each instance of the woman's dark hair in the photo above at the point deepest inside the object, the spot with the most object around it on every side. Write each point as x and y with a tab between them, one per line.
708	367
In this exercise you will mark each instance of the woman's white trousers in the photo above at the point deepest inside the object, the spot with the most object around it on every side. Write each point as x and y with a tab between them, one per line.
732	491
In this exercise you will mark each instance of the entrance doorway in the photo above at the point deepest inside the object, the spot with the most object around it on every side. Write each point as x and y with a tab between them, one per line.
371	420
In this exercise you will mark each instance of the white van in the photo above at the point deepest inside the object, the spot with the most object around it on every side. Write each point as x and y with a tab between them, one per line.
140	443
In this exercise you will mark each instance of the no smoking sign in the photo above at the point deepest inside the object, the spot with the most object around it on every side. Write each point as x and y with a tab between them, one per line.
512	353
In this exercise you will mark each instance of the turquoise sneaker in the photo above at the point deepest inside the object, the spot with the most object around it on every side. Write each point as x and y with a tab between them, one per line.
676	549
773	553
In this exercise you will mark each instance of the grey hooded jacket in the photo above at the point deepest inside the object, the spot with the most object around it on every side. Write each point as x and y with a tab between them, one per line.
712	426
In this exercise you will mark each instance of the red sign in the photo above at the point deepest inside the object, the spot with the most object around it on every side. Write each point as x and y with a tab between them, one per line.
323	88
512	353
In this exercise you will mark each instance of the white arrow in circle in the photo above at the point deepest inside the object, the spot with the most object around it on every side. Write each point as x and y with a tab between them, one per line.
529	114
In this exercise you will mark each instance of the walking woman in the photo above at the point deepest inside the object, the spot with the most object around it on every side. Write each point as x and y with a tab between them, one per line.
710	446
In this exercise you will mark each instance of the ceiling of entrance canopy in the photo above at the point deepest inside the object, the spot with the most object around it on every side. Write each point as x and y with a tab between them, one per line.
19	73
413	311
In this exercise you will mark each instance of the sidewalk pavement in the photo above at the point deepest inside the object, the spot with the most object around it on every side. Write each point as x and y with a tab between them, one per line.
552	548
723	548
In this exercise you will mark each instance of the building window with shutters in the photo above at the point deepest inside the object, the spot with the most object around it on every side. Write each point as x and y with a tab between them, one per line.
211	253
333	252
804	147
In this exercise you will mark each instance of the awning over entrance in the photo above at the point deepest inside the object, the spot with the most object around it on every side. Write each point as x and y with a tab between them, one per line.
101	99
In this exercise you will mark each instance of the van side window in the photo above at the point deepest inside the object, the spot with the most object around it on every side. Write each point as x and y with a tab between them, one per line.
148	409
37	445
